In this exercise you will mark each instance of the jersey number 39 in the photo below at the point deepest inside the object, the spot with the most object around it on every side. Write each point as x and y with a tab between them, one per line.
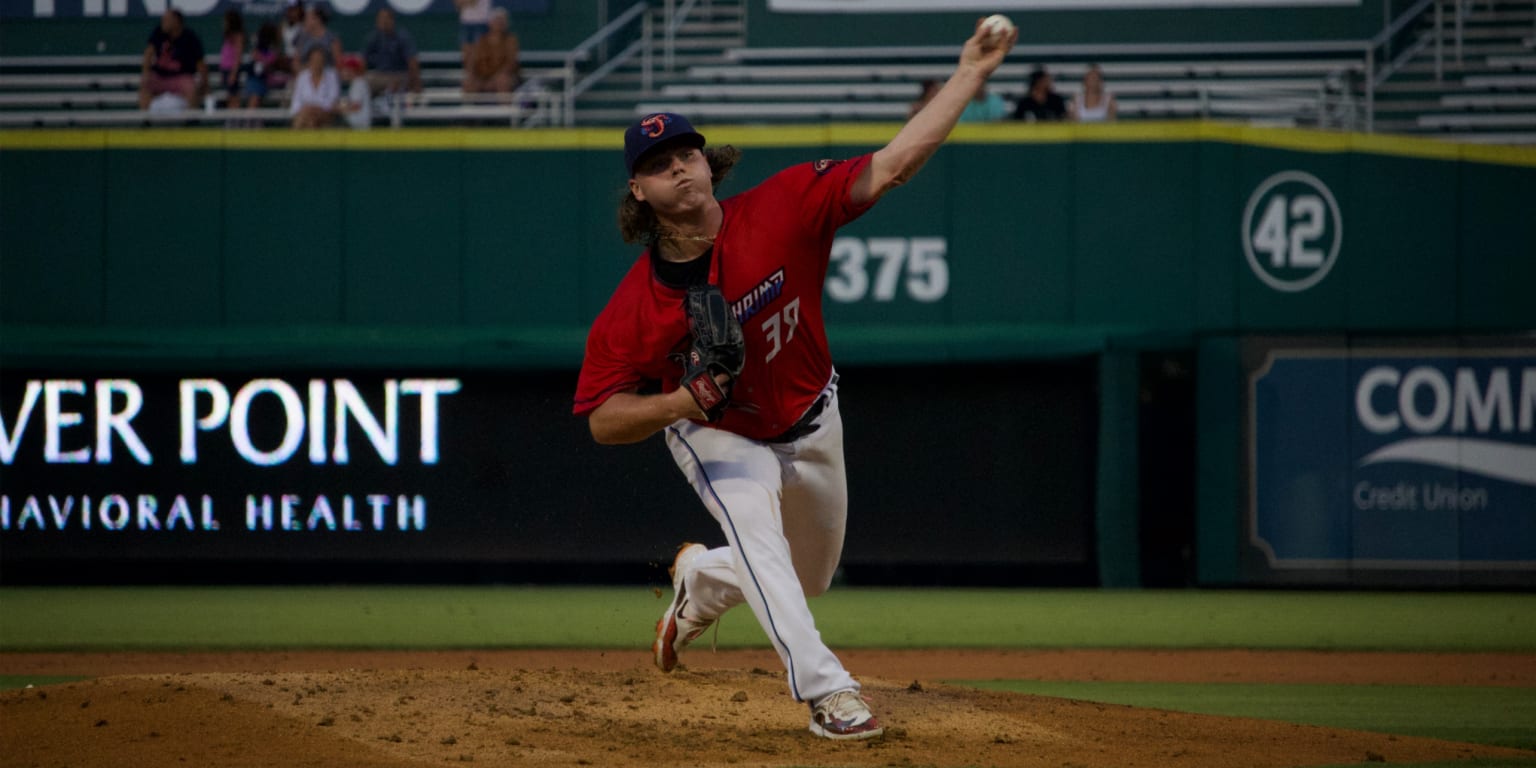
781	323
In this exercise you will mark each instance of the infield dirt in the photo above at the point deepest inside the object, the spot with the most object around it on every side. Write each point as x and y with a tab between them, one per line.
608	708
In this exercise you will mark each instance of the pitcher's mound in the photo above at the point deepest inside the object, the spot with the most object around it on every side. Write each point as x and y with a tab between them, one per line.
633	717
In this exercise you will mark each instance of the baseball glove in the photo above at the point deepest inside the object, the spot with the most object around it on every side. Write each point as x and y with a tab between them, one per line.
718	348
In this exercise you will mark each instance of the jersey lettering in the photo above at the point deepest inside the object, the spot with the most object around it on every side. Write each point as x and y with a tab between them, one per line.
759	297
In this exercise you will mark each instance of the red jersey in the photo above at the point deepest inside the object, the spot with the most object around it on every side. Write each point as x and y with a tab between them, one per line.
770	261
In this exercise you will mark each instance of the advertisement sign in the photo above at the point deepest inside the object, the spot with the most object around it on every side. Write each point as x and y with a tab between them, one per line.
338	471
308	465
1394	458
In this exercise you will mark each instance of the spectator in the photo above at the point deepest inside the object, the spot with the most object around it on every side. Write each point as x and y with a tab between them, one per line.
292	23
493	66
262	67
315	92
171	56
357	106
231	53
929	88
1095	105
474	22
315	34
390	56
1041	103
984	107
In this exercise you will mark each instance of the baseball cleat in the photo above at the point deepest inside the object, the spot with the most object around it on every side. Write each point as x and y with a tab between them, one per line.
844	715
675	631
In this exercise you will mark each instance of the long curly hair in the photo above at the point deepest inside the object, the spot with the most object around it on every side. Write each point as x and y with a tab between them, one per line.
637	222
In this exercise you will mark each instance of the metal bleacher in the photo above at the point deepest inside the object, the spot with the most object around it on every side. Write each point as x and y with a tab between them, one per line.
767	84
1458	69
1481	87
102	91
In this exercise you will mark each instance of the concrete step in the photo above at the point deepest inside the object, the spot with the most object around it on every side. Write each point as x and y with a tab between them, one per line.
630	71
1408	107
711	13
1450	66
1504	81
1493	101
1401	125
1493	32
1463	120
696	28
1513	62
1472	84
1477	49
1509	17
710	43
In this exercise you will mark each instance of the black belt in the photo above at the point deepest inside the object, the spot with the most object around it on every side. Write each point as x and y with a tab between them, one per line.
806	425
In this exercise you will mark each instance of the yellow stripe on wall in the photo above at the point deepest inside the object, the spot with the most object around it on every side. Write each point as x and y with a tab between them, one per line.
835	134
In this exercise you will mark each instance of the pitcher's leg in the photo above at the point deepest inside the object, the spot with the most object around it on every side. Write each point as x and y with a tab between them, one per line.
739	482
713	585
815	503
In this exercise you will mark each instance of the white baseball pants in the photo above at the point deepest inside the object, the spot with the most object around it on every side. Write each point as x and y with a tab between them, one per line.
783	508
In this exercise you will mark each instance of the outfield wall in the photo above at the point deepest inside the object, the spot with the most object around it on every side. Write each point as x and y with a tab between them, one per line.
1015	239
476	255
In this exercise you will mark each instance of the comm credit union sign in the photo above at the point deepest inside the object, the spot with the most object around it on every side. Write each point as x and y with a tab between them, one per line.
1394	459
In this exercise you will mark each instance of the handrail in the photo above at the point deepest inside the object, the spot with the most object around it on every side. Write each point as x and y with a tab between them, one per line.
599	37
675	18
629	52
1383	40
1403	19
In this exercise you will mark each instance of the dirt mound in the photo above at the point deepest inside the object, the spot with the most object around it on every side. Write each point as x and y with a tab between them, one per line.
600	716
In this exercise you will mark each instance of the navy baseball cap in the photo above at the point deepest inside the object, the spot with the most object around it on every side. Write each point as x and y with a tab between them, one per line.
652	131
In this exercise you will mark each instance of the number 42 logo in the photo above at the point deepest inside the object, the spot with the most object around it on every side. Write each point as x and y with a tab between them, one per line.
1291	231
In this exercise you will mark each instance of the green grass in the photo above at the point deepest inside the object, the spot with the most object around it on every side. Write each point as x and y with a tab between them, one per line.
1485	715
1473	763
174	618
606	617
56	618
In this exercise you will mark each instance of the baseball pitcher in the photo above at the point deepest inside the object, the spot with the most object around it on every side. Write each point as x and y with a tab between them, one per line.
715	338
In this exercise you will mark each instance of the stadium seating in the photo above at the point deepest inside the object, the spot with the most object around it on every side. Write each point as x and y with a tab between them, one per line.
99	91
1483	89
1487	94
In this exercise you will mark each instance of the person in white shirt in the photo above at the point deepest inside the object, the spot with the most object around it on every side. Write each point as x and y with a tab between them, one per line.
315	93
1095	104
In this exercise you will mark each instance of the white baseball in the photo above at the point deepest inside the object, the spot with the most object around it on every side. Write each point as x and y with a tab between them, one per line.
996	27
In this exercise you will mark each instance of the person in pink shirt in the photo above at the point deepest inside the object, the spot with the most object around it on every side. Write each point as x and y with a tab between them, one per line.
231	54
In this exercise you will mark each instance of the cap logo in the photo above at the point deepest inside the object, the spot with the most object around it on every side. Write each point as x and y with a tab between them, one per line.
654	126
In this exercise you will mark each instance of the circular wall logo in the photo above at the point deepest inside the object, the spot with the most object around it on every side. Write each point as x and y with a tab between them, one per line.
1291	231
